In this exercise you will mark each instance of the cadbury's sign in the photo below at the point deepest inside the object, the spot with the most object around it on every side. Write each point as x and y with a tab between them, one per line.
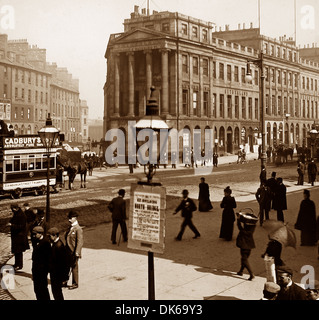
22	142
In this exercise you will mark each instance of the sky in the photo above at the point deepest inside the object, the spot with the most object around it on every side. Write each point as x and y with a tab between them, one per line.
75	33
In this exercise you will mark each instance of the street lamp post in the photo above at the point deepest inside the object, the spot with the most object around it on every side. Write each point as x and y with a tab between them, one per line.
154	123
48	135
260	63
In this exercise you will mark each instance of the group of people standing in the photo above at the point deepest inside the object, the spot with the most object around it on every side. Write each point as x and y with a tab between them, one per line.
50	255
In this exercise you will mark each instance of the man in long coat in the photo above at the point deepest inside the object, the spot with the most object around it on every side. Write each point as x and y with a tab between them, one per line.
204	203
312	172
118	208
263	196
58	266
280	200
19	239
306	220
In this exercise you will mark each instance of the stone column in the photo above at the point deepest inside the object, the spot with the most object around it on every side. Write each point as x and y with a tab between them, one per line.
148	71
165	100
130	83
116	112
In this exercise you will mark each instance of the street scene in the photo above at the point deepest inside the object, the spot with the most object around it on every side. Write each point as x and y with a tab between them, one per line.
161	153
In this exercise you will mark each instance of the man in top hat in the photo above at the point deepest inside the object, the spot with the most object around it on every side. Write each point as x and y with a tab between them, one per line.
288	289
118	208
19	239
270	291
313	291
58	266
187	206
74	243
40	263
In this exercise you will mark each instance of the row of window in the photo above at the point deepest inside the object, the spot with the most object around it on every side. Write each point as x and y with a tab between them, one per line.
28	162
280	52
63	95
273	106
65	111
25	114
30	77
20	95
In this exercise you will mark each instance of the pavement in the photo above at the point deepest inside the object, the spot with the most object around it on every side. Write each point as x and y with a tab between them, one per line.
114	272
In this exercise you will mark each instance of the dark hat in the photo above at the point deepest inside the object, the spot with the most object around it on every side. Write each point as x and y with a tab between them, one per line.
40	212
271	287
273	174
72	214
228	190
53	231
185	191
121	192
38	229
26	204
284	269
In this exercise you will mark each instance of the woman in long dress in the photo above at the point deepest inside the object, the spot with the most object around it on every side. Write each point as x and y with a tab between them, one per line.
306	221
204	203
228	217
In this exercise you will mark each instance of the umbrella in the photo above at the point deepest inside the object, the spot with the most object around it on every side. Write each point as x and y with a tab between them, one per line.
285	236
272	225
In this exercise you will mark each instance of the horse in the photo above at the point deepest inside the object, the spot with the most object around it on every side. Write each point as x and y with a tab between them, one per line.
74	169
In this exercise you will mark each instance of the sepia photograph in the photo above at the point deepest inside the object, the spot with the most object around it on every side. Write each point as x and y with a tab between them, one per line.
160	151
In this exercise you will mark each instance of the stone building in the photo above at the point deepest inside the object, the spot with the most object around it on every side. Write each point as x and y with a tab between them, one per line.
200	78
30	88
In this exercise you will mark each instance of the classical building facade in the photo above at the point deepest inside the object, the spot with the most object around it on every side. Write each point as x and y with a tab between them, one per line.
30	88
200	79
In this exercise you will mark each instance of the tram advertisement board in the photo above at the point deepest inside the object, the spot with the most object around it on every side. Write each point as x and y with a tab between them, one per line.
147	218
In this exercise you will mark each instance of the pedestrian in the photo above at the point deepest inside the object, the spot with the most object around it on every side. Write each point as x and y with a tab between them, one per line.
313	291
272	184
192	158
173	159
39	221
270	291
19	239
74	243
215	159
288	289
245	241
228	216
130	166
118	208
280	199
263	196
204	203
40	264
301	173
263	174
274	249
30	217
312	171
306	221
187	206
58	266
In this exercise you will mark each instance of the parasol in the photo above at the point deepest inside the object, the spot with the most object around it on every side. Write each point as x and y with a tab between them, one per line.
272	225
284	235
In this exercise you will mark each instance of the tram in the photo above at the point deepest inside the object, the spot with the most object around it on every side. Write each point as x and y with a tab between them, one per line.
23	165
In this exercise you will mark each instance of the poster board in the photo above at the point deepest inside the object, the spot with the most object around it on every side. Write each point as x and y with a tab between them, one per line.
147	218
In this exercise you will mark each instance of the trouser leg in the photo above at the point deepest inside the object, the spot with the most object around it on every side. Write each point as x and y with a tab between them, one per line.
245	253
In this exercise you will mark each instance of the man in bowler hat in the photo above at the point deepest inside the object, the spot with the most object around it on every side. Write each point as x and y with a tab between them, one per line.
187	206
118	208
74	243
58	266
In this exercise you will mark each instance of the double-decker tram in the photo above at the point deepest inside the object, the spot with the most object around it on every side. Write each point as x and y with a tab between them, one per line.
23	165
